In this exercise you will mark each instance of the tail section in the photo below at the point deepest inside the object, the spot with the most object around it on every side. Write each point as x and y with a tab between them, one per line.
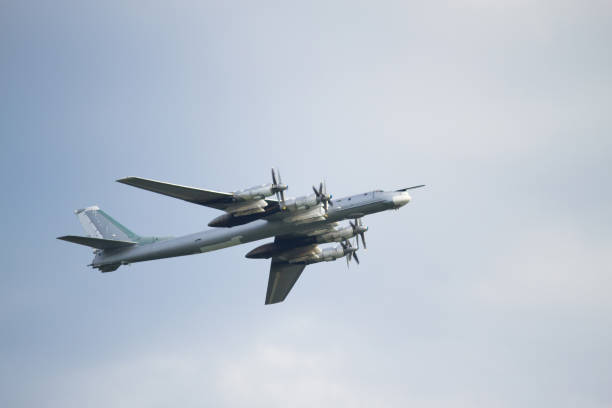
98	224
104	233
107	236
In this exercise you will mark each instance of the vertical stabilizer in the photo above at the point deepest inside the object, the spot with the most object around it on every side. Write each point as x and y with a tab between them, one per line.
98	224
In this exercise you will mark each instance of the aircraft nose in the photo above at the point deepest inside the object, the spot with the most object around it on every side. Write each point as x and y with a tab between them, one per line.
401	199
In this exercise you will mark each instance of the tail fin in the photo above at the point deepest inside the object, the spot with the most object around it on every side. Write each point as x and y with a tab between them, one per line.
98	224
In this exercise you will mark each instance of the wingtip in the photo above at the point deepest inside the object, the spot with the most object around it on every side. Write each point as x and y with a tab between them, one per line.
273	302
90	208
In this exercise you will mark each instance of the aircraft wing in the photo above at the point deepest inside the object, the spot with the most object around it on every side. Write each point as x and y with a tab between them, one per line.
283	276
208	198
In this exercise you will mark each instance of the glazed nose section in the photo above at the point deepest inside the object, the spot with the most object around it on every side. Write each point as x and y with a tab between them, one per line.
401	199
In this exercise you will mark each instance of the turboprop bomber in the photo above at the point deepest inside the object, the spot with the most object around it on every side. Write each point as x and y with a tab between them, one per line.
299	227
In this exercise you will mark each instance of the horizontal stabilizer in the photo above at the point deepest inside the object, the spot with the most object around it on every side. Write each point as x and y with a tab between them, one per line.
98	243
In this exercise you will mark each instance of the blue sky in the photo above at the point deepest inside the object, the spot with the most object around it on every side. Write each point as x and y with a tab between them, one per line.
490	289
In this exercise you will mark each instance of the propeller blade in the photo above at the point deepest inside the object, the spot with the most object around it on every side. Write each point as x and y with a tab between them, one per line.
315	191
320	189
363	240
273	178
278	188
356	259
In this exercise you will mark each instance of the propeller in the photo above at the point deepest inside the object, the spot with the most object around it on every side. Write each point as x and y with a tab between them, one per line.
359	230
350	251
322	196
279	188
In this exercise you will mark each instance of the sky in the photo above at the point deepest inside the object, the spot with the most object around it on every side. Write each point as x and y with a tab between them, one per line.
490	289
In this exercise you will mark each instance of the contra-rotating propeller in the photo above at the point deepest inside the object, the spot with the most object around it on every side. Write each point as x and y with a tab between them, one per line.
279	188
359	231
350	251
322	196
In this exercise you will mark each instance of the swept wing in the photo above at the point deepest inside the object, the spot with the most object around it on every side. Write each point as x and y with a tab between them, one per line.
208	198
283	276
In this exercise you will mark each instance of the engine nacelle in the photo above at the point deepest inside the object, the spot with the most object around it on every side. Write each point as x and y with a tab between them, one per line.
254	193
331	254
246	208
305	254
337	235
264	251
301	203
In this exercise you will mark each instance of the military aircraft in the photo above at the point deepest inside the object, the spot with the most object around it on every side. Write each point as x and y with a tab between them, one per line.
298	226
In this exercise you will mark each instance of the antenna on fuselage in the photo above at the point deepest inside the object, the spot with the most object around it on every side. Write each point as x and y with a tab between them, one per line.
411	188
